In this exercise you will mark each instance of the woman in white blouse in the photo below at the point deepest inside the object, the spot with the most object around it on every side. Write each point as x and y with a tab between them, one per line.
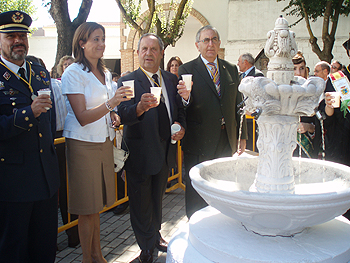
90	100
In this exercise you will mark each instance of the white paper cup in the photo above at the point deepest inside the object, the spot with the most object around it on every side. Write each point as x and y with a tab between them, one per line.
174	129
187	78
130	83
45	92
336	95
156	91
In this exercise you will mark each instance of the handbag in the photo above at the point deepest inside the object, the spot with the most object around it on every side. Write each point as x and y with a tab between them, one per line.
120	156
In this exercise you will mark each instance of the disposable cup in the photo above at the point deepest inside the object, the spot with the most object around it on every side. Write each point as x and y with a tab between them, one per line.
130	83
174	129
156	91
187	78
336	95
45	92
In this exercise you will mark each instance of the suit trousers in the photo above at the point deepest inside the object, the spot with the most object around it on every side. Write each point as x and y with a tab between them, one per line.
193	200
28	231
145	201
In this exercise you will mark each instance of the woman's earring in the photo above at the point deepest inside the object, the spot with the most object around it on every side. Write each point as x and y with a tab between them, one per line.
83	47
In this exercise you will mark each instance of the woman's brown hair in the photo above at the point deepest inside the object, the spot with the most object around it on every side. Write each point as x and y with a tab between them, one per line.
83	33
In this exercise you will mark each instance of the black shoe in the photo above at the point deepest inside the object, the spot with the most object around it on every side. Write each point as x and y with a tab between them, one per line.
146	256
162	245
120	208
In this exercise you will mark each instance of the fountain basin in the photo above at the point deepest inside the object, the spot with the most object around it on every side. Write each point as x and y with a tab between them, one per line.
322	192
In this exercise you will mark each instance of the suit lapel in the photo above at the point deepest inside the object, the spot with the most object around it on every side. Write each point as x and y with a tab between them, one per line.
143	81
13	81
225	77
202	70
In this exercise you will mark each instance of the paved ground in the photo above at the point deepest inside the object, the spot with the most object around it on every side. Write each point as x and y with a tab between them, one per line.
117	238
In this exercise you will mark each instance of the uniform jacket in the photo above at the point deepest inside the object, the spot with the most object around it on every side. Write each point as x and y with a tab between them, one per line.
28	162
147	150
206	108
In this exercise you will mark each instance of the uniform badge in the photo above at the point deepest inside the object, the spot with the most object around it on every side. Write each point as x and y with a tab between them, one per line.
7	75
13	92
33	73
38	77
2	86
43	74
17	17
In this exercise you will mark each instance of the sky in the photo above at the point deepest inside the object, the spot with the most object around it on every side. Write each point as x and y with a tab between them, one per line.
101	11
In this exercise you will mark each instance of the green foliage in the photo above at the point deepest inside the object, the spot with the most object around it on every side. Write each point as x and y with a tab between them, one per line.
22	5
171	28
132	9
315	8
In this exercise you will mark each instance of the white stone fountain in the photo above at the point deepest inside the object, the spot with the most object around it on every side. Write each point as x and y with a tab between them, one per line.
270	208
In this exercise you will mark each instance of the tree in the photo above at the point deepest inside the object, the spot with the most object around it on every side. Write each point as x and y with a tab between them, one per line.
168	25
65	27
21	5
310	11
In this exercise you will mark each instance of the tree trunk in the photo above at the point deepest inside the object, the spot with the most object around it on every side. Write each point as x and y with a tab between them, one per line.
66	28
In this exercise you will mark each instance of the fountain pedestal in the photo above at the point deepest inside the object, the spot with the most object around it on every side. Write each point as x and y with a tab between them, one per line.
210	236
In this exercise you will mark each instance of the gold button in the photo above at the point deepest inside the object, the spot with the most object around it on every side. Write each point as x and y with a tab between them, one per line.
41	150
13	103
30	125
2	159
26	118
40	135
24	111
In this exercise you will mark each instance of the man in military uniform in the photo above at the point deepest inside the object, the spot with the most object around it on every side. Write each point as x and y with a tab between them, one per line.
29	178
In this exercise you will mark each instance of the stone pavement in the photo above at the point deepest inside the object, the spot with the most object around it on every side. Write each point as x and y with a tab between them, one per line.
118	242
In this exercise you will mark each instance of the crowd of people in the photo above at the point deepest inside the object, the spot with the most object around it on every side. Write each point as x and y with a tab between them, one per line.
85	106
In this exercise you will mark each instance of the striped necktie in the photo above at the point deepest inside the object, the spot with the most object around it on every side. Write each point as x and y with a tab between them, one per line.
215	76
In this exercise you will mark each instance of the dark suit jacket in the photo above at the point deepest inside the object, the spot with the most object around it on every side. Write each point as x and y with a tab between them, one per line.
147	150
206	108
28	162
255	73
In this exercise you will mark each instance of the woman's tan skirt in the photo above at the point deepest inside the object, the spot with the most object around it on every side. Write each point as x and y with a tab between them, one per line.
91	178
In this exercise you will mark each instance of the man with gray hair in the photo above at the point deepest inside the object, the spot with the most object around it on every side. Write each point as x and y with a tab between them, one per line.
212	114
246	66
322	70
147	122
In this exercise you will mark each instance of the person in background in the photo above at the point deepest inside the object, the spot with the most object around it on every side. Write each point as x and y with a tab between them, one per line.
336	66
147	135
61	114
89	132
309	131
173	65
115	77
29	177
337	123
64	62
300	68
246	67
212	117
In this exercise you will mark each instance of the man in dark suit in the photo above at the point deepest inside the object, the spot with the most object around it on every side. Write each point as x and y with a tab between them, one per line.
246	66
147	135
247	69
29	177
212	117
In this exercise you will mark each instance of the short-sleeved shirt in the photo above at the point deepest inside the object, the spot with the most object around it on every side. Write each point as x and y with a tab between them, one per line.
75	80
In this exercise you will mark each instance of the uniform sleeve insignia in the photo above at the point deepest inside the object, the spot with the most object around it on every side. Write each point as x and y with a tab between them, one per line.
17	17
43	74
7	75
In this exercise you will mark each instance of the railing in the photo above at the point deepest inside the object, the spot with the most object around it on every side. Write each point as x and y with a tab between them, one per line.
250	117
173	176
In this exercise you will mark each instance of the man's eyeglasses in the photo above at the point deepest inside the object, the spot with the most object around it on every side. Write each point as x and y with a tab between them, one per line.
206	41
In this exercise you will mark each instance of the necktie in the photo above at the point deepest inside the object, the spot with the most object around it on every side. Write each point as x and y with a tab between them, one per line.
215	76
22	73
243	75
163	117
